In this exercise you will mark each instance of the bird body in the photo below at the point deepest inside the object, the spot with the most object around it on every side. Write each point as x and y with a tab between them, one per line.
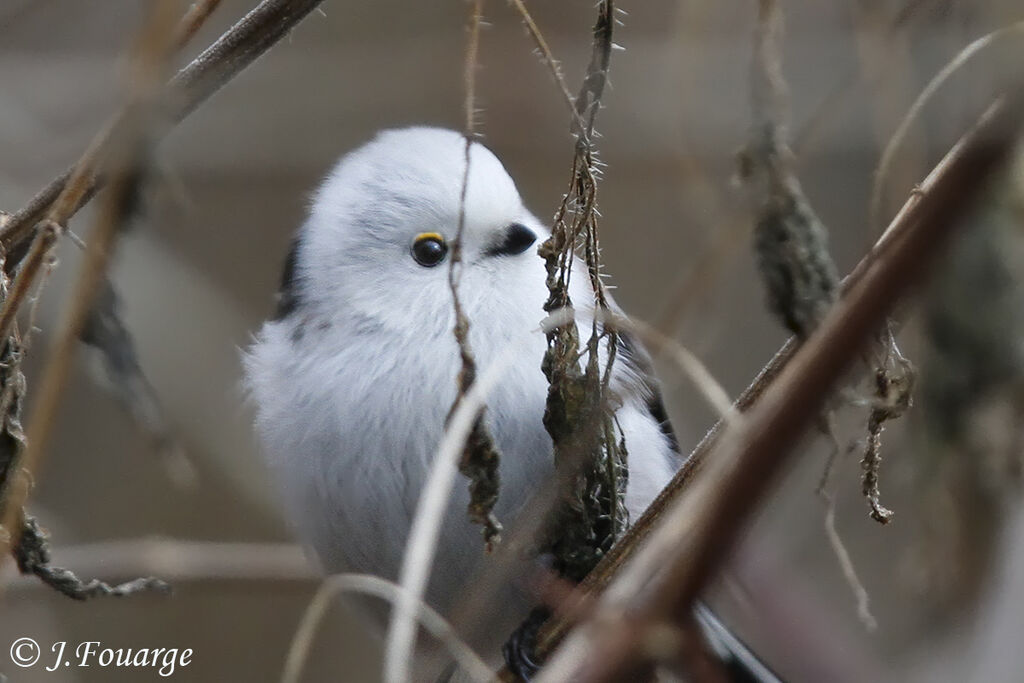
354	380
354	377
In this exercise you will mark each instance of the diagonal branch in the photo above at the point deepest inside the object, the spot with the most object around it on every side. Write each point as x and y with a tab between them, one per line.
228	56
697	533
125	158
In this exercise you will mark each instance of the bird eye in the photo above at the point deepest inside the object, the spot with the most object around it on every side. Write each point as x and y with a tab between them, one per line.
429	249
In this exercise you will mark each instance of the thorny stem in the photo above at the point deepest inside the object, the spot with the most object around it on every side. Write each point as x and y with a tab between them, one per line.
953	164
549	59
698	532
577	416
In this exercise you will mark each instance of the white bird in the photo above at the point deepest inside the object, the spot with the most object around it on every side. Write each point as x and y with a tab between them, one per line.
353	378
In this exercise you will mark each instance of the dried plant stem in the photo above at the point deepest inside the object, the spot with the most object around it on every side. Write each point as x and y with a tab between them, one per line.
32	263
430	510
179	561
481	459
125	160
842	555
891	147
549	59
67	193
846	565
663	578
249	38
478	455
956	163
520	538
367	584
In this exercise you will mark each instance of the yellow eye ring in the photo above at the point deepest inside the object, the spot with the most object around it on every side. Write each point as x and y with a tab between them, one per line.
429	249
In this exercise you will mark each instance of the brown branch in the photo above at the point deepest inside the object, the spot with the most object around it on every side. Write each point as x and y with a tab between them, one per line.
698	532
228	56
33	558
624	550
178	561
46	237
125	158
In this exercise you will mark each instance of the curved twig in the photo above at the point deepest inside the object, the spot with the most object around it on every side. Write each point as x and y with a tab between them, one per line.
891	147
298	651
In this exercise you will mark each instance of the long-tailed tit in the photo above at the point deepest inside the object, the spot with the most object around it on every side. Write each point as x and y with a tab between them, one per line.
354	376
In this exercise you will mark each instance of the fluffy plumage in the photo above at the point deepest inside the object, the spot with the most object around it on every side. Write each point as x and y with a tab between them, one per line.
354	377
353	382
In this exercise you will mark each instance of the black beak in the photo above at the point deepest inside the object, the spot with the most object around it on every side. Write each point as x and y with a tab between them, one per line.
516	239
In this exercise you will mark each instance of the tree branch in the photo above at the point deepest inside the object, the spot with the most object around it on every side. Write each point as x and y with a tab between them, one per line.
686	540
228	56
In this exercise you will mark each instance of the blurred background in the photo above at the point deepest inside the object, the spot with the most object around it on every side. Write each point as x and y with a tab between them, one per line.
198	273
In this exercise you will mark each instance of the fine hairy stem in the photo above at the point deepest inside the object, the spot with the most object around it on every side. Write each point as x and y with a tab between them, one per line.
696	533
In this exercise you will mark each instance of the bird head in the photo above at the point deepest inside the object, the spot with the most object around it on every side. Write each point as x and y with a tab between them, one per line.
380	234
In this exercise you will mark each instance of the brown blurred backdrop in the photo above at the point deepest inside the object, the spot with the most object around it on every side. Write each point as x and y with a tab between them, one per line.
198	274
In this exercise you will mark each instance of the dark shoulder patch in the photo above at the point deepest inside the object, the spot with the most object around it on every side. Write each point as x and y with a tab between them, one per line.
636	357
288	294
657	409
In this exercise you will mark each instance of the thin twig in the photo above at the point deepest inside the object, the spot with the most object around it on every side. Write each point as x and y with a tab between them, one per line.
195	17
67	193
423	614
691	367
846	565
177	561
125	162
842	555
624	550
549	59
954	65
479	457
681	555
481	460
430	510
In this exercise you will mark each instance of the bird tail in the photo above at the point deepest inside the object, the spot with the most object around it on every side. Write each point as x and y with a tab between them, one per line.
741	663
